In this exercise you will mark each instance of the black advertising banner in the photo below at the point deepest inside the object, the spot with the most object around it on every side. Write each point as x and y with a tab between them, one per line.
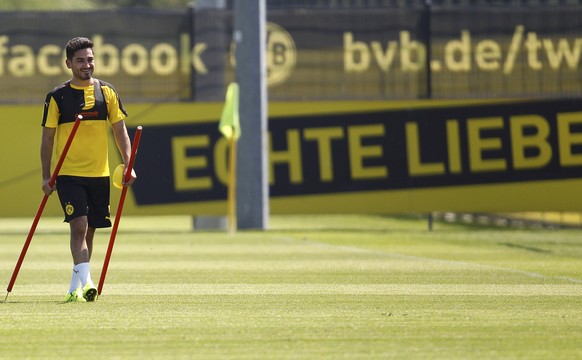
177	163
411	149
509	51
346	54
312	55
146	55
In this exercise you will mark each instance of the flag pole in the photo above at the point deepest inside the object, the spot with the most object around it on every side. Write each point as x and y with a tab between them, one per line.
232	186
229	126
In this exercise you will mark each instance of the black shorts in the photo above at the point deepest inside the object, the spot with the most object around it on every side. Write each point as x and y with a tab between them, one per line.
85	196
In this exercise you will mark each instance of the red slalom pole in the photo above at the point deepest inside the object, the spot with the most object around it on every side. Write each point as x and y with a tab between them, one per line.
42	205
119	208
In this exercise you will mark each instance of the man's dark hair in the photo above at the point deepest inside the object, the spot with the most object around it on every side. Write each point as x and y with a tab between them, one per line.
77	43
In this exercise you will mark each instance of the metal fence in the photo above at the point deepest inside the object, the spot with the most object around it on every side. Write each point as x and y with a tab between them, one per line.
317	50
359	4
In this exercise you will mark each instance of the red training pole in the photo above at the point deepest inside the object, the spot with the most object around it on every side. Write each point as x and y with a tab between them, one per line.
119	208
42	204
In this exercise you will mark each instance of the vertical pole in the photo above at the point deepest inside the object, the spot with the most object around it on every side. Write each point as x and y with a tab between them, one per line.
40	210
430	221
192	31
135	146
427	40
232	186
252	188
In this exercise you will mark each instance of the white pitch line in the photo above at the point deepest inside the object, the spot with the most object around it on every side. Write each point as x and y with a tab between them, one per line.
421	258
54	290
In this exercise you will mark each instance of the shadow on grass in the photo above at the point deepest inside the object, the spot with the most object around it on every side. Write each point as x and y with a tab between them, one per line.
386	224
527	248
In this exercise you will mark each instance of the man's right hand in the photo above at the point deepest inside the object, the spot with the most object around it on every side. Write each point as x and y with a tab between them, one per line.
46	188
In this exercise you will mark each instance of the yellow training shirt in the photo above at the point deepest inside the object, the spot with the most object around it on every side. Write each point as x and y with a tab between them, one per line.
100	105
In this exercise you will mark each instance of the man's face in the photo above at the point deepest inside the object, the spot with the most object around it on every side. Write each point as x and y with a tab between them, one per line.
82	64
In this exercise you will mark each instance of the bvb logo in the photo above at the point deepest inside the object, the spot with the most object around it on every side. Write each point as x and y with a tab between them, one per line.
69	209
281	54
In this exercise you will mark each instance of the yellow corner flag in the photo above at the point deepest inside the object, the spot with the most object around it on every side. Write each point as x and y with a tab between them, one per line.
229	124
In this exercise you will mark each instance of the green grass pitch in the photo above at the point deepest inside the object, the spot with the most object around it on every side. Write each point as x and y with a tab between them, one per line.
311	287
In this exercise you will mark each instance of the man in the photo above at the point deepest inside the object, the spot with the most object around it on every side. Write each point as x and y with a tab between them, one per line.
83	181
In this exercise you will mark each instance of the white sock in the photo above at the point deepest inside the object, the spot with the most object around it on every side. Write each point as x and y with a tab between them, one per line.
83	272
75	280
89	280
